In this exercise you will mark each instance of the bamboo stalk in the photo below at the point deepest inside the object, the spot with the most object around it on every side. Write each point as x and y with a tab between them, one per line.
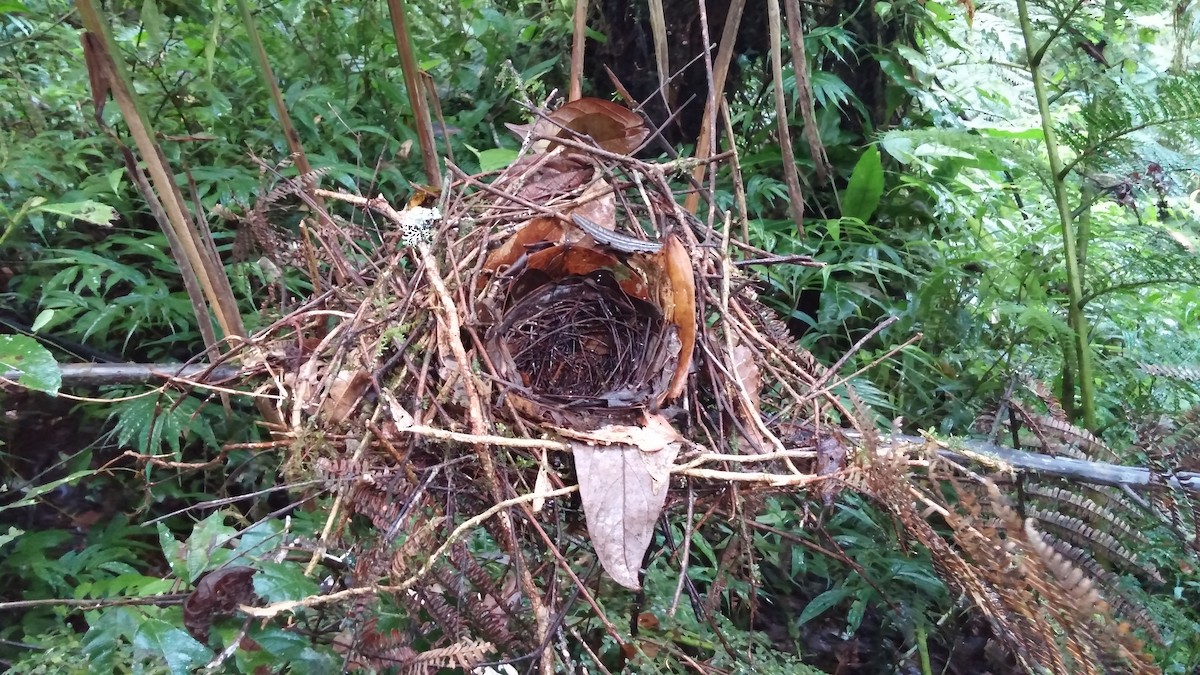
107	74
578	33
416	95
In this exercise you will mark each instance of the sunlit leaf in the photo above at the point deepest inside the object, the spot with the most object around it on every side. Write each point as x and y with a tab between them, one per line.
29	363
88	211
866	187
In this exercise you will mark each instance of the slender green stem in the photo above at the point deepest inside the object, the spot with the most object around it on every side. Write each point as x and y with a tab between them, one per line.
923	650
1078	320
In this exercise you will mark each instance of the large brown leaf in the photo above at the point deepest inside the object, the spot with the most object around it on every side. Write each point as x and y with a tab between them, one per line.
613	127
623	485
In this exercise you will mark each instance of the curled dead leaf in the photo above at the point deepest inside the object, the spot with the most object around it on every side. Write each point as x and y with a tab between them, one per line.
345	392
218	594
678	266
614	128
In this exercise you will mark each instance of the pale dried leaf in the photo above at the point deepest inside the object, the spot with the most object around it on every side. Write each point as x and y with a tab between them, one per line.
656	434
748	376
598	204
623	490
542	484
345	392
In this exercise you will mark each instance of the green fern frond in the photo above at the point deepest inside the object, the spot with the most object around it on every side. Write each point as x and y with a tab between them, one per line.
1110	133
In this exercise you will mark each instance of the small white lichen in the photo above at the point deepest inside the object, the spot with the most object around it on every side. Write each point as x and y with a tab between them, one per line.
418	224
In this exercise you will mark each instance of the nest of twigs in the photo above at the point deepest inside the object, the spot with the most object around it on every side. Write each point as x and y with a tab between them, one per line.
566	306
555	345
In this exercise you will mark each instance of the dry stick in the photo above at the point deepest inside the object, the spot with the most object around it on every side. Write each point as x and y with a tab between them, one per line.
578	33
795	28
794	259
100	603
277	608
107	74
432	96
795	196
747	403
110	76
742	459
323	542
566	566
685	558
229	650
890	353
832	370
486	439
191	283
267	75
416	96
716	84
662	54
735	170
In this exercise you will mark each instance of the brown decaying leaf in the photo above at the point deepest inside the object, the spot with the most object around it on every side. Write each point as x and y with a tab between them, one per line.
552	176
613	127
748	374
559	262
532	233
345	392
623	487
678	266
218	594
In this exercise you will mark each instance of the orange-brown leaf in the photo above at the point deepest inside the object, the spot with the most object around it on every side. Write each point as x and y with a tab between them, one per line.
678	265
613	127
535	231
562	261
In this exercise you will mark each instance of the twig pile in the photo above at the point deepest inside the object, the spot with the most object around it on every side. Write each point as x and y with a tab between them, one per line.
564	305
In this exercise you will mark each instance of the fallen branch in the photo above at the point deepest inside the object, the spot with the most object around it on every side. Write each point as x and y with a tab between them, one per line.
98	374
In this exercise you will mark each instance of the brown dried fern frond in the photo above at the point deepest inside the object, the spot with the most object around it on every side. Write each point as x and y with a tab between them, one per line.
1083	507
1185	373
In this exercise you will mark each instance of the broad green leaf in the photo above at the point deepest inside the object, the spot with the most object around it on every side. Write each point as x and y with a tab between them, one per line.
171	551
277	582
12	534
114	179
866	187
12	7
205	548
107	633
494	159
33	365
152	21
295	649
44	317
210	45
181	651
820	604
89	211
1030	131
